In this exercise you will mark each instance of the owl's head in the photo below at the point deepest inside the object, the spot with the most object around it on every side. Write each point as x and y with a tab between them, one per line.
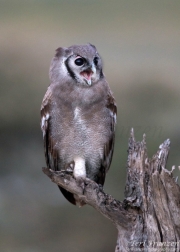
80	63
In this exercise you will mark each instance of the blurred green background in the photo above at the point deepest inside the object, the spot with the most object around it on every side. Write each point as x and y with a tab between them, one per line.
139	41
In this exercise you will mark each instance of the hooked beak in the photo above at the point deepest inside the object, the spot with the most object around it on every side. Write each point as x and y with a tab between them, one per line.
87	74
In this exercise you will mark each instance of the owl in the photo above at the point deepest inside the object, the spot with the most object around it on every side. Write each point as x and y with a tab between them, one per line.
78	116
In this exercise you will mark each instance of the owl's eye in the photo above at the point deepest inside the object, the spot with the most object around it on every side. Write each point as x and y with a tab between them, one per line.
79	61
96	61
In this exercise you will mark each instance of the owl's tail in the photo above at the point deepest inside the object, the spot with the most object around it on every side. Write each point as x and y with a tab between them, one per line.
71	197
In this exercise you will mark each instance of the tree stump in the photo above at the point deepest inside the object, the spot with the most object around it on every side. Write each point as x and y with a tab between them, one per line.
149	217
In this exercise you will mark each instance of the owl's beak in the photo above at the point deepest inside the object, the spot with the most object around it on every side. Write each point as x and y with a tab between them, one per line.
87	74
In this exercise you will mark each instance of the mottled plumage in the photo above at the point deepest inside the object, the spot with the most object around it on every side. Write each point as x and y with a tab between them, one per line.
78	116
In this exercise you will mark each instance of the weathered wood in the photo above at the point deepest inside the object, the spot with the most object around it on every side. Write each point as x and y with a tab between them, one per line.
149	217
93	195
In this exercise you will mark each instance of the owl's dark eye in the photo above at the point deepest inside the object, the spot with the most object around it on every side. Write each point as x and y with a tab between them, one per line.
79	61
96	61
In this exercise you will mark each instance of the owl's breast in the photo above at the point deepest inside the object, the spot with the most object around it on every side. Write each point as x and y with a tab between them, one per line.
91	130
80	131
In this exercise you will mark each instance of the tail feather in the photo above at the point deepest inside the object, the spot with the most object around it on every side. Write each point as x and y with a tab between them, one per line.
72	198
69	196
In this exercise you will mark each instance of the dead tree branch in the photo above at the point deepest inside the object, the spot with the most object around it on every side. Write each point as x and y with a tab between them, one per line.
149	217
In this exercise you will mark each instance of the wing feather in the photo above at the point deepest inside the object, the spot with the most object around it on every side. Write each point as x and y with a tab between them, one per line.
109	145
51	154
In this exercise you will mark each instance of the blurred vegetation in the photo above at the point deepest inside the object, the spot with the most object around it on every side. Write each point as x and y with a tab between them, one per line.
139	43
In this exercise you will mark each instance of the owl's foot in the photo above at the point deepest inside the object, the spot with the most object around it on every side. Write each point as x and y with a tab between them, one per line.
81	183
70	167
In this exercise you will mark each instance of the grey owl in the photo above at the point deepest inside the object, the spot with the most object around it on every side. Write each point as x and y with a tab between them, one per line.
78	116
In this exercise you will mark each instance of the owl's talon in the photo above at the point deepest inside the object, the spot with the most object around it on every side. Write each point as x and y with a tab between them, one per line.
69	170
70	167
81	183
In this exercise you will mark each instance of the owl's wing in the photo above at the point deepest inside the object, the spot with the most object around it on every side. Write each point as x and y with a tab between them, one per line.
51	153
109	146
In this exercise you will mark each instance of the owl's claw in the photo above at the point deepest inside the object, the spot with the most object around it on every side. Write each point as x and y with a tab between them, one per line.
70	167
81	183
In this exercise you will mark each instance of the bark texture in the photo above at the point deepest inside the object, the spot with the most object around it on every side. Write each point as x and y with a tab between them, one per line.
149	217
